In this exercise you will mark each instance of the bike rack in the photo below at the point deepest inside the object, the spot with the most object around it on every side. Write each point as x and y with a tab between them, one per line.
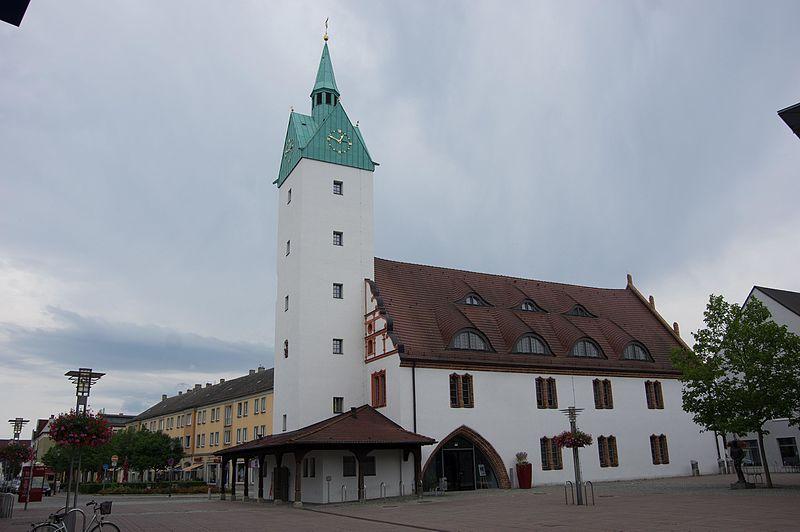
571	492
344	492
401	489
588	484
382	491
584	486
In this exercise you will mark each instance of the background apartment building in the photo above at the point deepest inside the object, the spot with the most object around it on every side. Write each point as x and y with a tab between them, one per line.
211	417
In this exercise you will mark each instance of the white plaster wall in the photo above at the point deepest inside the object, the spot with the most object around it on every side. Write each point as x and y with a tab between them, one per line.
780	314
506	415
307	381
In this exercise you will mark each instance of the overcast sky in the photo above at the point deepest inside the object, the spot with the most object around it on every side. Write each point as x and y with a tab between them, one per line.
564	141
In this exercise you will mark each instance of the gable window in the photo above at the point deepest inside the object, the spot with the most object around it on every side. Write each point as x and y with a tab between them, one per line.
379	388
551	454
289	197
580	310
474	300
286	349
530	306
585	349
655	398
288	247
546	396
337	346
636	351
607	449
531	344
338	288
461	391
658	449
470	340
338	238
338	188
338	405
603	398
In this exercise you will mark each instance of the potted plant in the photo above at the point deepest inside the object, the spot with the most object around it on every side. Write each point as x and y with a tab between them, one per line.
524	471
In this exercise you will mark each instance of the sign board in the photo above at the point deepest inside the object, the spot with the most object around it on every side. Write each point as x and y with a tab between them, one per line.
481	470
36	484
105	467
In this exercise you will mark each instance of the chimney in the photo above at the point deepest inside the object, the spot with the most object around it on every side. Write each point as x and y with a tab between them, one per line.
630	280
208	384
163	397
221	381
676	328
260	369
198	386
353	411
180	392
652	302
252	371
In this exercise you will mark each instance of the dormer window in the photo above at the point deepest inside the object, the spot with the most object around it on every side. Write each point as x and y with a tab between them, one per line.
636	351
580	310
328	98
474	300
469	340
531	344
530	306
586	349
319	98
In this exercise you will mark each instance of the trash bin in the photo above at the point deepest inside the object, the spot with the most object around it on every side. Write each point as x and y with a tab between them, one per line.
695	468
6	504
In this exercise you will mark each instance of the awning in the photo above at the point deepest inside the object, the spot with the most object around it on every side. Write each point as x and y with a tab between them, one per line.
192	467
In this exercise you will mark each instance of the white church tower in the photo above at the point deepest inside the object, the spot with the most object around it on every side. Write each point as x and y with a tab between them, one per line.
325	251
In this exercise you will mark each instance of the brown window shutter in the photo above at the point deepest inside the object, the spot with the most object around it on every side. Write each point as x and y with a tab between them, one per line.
557	452
544	445
662	444
602	451
609	397
659	397
648	388
611	443
540	392
654	449
552	395
598	398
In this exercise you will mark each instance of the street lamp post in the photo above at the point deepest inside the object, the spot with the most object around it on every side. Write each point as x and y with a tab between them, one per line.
83	378
18	423
572	415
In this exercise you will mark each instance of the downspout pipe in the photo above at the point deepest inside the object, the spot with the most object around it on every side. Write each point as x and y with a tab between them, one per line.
414	392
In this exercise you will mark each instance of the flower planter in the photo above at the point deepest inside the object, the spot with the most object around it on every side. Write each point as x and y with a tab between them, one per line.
524	475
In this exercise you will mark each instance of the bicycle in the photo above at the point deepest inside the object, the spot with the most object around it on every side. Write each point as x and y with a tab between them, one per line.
55	522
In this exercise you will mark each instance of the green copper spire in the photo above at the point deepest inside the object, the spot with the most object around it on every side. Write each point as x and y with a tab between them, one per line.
325	78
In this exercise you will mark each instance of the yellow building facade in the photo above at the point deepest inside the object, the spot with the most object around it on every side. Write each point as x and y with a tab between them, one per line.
212	417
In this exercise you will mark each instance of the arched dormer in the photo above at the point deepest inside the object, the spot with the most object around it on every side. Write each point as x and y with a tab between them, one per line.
531	344
470	340
636	351
580	311
474	300
529	305
586	348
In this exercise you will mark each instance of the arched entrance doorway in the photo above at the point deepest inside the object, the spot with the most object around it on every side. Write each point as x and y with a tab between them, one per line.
467	461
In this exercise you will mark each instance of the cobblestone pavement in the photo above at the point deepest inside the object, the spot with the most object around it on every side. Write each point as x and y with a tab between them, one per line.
692	503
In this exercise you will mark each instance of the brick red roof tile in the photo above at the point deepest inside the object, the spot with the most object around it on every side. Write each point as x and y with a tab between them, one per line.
423	304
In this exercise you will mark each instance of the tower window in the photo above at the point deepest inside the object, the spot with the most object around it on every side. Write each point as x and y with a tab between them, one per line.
288	247
338	238
338	405
283	425
286	303
286	349
319	98
338	188
337	290
337	346
289	197
328	98
335	99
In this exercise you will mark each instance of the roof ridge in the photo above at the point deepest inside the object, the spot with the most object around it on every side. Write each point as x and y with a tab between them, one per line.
498	275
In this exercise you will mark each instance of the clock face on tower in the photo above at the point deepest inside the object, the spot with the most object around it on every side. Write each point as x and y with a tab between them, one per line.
339	141
287	151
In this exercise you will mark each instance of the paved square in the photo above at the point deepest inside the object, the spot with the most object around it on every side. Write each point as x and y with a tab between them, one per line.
689	503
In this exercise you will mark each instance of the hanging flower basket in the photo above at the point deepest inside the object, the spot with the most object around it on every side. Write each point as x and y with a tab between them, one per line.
16	453
80	430
577	439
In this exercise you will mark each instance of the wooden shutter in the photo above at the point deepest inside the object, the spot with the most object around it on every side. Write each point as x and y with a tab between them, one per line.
654	449
540	392
651	399
598	395
467	395
557	462
609	397
611	443
455	392
658	397
602	450
544	444
662	444
383	388
552	396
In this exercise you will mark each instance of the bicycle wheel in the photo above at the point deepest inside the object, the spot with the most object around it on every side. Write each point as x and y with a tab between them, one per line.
99	527
46	527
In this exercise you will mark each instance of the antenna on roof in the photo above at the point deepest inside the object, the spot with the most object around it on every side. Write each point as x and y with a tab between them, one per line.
325	37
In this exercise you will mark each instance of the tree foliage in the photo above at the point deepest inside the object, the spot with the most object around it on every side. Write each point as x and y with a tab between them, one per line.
13	456
744	370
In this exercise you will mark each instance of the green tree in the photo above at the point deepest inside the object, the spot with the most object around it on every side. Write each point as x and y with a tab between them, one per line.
744	371
152	450
57	458
13	455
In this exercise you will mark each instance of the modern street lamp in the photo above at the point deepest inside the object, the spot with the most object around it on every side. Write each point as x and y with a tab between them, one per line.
572	415
18	423
83	378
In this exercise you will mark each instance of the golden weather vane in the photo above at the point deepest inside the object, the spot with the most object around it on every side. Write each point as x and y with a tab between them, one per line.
325	37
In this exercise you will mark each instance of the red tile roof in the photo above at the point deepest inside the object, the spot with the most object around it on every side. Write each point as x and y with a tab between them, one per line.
360	426
423	303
